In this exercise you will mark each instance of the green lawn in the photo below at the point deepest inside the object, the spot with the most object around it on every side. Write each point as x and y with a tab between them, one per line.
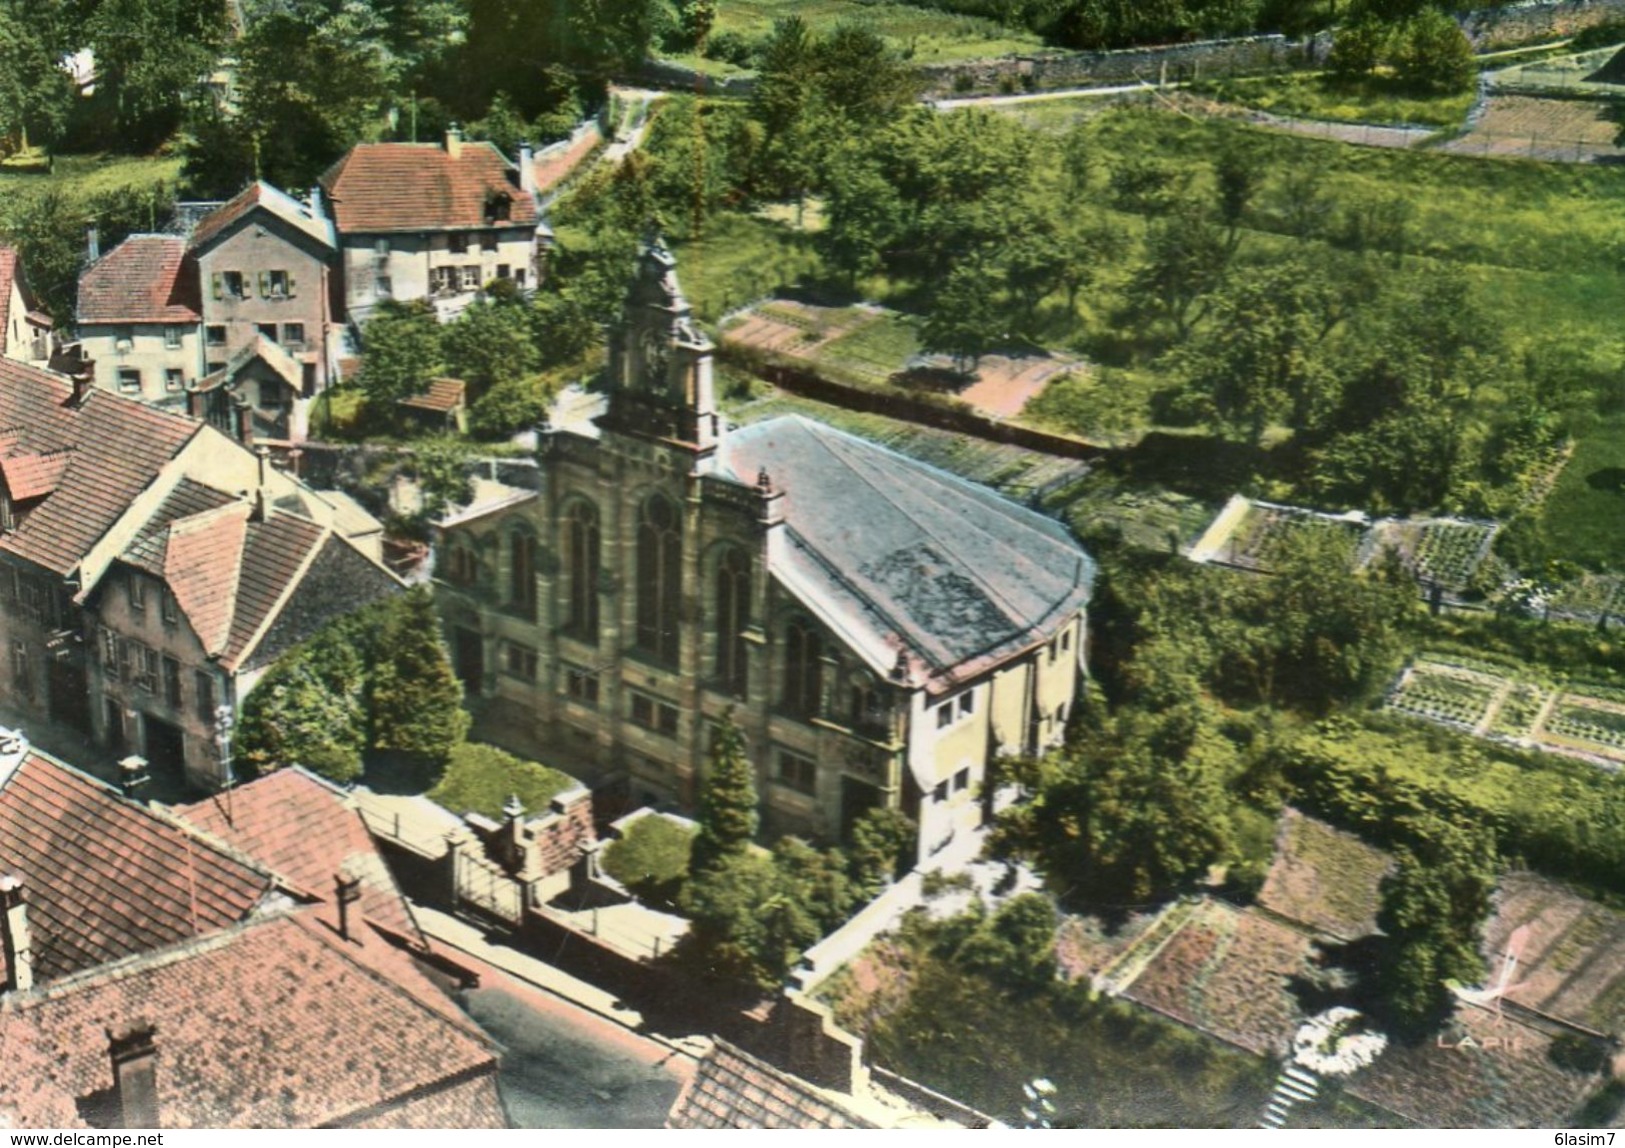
922	35
1371	100
480	779
740	259
876	350
651	858
1585	515
85	176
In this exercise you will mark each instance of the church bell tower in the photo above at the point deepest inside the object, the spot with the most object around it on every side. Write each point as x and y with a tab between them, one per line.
660	382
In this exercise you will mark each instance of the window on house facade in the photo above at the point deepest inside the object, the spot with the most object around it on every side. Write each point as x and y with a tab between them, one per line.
798	772
215	335
174	380
138	592
168	607
109	652
940	793
967	703
145	662
124	341
945	715
1066	640
204	681
733	617
522	573
380	248
659	577
519	661
278	284
581	573
21	681
461	566
504	271
234	284
655	716
868	710
581	685
519	276
962	780
129	381
803	669
172	683
172	338
293	334
384	287
214	368
471	277
457	243
442	280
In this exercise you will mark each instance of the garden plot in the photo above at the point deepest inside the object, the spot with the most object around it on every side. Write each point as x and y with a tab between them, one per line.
1444	694
1437	551
1325	878
1578	719
1588	598
1529	127
1255	538
786	327
1570	951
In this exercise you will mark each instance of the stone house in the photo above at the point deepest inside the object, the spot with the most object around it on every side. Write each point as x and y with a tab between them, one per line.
432	221
138	318
264	265
193	968
26	332
879	629
151	568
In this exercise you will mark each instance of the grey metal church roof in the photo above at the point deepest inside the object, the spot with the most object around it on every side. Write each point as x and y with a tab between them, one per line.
901	555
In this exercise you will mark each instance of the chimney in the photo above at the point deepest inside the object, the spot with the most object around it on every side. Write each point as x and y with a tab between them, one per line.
313	201
348	888
454	140
527	168
244	418
81	385
135	1076
93	244
19	947
132	775
262	454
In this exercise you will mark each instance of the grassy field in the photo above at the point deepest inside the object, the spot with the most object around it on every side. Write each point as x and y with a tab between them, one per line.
740	259
480	779
922	35
1585	514
1372	100
84	176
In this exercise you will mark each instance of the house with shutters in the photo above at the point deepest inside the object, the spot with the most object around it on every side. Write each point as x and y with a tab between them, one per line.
233	323
26	332
151	569
264	265
880	630
432	221
138	318
217	967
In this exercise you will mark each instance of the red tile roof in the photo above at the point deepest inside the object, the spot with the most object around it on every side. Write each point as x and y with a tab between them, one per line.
274	1024
442	397
118	446
304	830
145	279
201	562
107	878
30	476
732	1089
275	551
420	187
260	196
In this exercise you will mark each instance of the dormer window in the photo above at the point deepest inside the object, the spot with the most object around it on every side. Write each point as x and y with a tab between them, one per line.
138	593
498	207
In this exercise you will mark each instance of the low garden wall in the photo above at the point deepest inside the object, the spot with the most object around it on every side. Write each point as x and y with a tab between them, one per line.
1168	63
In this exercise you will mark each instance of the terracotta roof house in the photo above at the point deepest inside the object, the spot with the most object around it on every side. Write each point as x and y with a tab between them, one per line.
138	318
26	331
151	568
432	221
880	629
155	977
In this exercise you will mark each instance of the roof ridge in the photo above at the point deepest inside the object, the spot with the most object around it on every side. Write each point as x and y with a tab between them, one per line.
1011	613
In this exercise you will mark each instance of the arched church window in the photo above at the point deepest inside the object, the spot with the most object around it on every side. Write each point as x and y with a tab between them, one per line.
733	616
581	570
660	577
522	572
461	566
803	669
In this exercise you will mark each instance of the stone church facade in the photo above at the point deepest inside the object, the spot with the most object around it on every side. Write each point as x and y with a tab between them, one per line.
880	630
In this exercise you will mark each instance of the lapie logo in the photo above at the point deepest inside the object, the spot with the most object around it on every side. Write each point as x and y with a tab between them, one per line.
1486	1043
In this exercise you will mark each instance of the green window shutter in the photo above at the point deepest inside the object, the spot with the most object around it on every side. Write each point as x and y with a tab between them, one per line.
219	291
265	285
290	285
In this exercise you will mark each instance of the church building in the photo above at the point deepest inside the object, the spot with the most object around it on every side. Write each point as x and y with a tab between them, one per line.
879	630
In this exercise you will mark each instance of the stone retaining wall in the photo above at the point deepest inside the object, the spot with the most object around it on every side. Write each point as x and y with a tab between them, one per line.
1531	23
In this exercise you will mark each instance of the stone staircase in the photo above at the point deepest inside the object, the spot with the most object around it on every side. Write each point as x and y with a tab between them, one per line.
1294	1086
